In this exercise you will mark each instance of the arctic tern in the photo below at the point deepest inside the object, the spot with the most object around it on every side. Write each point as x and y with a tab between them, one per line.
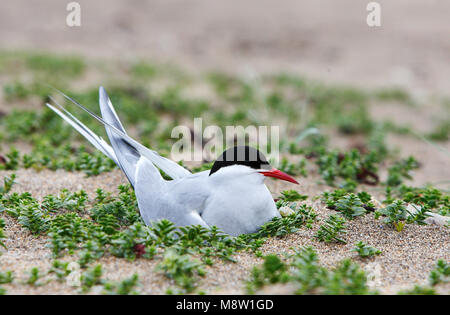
231	196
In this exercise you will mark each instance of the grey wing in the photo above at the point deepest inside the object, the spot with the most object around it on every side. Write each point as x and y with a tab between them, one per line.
155	199
158	200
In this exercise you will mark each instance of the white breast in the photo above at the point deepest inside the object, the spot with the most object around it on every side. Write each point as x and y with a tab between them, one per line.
234	199
239	205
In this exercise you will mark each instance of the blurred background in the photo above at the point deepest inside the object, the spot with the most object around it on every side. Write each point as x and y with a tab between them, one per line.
326	39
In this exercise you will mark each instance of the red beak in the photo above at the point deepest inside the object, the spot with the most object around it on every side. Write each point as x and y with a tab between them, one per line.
279	174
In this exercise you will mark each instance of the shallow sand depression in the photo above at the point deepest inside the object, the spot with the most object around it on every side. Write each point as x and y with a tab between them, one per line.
406	259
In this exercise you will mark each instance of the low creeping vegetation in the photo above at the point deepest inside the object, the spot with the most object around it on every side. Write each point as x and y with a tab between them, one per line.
88	279
5	277
332	230
88	230
397	215
440	274
124	287
33	277
292	196
301	215
111	225
428	198
364	250
412	206
350	205
351	166
401	170
8	182
54	145
302	271
2	234
183	269
91	277
64	157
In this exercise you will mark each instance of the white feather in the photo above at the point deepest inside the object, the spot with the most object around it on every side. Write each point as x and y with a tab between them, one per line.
234	198
95	140
169	167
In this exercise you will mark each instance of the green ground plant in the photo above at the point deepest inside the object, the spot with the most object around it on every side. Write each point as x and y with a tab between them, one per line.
439	275
364	250
292	196
395	214
428	198
6	277
111	225
350	206
303	272
124	287
183	269
332	230
60	269
33	277
401	170
33	137
91	277
2	233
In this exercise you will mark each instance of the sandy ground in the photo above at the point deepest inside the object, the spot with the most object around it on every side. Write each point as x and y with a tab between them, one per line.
326	39
406	259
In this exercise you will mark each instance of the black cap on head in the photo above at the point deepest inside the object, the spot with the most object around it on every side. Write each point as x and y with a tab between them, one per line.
241	155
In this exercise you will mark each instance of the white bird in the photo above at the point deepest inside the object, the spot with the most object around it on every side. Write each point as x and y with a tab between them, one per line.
231	196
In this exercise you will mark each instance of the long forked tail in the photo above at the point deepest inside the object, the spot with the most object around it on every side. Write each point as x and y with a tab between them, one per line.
125	151
95	140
